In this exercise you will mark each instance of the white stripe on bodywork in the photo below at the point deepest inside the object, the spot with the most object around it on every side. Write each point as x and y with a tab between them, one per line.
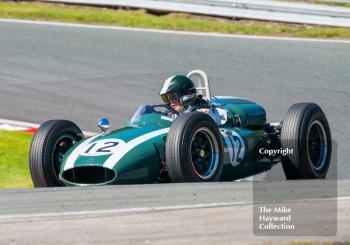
114	158
76	153
166	118
228	144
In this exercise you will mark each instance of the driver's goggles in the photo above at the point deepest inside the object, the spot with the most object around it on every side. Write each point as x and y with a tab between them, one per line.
169	97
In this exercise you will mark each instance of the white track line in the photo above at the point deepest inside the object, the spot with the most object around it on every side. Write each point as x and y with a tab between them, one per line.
15	217
118	211
19	123
208	34
33	125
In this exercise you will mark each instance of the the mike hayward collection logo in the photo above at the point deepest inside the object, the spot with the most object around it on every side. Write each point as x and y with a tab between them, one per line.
274	152
275	218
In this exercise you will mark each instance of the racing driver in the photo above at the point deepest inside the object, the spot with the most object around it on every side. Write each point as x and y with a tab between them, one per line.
180	93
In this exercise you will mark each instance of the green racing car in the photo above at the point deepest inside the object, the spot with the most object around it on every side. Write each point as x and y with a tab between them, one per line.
229	140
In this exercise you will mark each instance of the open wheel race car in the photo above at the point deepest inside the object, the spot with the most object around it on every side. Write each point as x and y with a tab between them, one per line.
193	147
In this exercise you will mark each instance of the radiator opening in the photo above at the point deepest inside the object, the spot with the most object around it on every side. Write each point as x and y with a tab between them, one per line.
89	175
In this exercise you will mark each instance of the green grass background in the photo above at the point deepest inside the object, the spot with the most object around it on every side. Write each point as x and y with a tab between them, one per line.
86	15
14	163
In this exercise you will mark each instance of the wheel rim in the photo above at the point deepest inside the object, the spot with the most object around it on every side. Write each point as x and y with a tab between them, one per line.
61	146
204	153
317	145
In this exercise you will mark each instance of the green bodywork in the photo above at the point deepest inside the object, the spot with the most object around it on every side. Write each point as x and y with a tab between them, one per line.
137	148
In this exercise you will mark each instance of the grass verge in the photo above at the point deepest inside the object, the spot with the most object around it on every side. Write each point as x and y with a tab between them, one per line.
314	243
329	3
14	167
185	22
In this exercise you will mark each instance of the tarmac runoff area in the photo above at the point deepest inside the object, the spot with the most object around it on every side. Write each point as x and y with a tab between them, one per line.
213	213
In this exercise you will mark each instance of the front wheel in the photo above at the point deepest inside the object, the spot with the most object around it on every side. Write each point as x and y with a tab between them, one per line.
51	141
306	130
194	149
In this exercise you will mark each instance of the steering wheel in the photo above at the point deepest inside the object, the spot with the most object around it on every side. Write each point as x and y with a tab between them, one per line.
169	108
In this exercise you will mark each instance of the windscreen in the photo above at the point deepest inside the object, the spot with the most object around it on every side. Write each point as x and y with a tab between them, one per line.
151	114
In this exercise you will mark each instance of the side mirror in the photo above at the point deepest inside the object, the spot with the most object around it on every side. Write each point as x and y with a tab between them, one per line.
103	124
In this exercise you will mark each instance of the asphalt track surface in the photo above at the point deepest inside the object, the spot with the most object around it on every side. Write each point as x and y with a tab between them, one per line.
216	213
82	74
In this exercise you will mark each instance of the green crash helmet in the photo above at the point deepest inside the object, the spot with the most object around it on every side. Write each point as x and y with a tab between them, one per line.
178	88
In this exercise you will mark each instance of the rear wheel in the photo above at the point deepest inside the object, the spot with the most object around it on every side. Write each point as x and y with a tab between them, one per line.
194	149
51	141
306	130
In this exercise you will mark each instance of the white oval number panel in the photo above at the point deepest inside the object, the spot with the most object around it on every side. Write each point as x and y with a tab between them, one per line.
235	145
102	147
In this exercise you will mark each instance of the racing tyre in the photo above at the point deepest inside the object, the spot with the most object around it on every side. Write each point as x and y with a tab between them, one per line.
48	147
194	149
306	130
